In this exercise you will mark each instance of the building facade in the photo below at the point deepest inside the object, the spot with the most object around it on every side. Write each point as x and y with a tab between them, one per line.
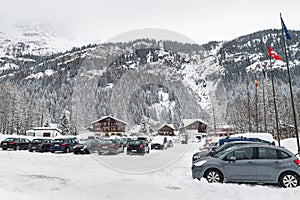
166	129
108	126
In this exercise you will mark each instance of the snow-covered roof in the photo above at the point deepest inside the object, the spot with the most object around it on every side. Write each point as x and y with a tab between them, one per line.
187	122
46	128
263	136
104	117
169	125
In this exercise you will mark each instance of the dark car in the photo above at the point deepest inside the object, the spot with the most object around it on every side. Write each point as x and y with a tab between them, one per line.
250	163
87	147
113	146
65	145
204	153
41	145
15	143
138	147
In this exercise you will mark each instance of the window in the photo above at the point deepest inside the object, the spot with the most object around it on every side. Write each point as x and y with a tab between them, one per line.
283	155
267	153
241	154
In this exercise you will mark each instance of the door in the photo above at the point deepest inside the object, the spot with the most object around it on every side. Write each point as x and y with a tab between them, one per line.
243	169
269	164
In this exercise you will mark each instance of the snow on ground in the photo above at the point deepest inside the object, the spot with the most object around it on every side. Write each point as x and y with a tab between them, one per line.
159	175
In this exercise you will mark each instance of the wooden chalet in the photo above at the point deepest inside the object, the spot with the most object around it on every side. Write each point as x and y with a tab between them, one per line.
192	127
108	126
166	129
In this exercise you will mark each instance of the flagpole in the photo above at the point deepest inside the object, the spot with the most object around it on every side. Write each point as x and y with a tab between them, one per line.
264	103
290	83
256	99
249	116
275	106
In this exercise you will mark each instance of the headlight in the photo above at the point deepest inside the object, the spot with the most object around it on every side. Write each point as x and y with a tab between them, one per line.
196	157
200	163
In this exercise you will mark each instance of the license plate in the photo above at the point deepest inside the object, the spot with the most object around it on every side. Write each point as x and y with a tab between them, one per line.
4	143
133	150
104	147
33	147
56	145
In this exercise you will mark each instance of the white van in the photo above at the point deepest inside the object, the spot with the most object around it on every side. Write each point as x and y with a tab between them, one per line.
159	142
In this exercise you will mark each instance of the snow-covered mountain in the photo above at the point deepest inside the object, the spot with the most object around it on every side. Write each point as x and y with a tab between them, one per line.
34	38
147	81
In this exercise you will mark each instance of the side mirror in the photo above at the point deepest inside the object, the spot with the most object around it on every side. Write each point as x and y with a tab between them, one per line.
232	159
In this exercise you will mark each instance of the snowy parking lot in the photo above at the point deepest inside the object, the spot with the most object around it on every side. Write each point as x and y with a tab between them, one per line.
159	175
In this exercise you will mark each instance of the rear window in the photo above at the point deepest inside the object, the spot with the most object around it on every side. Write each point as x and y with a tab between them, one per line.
9	140
135	142
59	140
37	141
106	142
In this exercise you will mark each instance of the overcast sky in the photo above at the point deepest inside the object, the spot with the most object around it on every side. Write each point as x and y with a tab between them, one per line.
201	21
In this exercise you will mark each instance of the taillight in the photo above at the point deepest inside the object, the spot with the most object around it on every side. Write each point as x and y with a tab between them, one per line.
99	145
112	145
63	144
141	146
51	144
297	161
40	144
11	143
128	146
30	144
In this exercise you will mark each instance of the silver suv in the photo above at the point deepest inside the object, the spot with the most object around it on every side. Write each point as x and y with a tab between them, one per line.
250	163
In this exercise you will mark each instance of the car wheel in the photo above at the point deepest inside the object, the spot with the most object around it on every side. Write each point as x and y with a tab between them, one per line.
99	153
30	150
52	151
214	176
4	149
289	180
17	148
148	150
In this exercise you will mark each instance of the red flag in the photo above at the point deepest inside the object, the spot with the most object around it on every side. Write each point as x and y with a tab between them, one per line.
273	54
256	82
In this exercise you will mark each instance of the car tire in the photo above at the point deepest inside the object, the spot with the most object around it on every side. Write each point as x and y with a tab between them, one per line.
289	180
52	151
30	150
214	176
99	153
4	149
17	148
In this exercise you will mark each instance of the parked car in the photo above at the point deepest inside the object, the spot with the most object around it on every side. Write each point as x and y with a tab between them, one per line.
15	143
86	147
231	139
250	163
41	145
225	146
113	146
65	145
125	140
138	147
159	142
170	141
